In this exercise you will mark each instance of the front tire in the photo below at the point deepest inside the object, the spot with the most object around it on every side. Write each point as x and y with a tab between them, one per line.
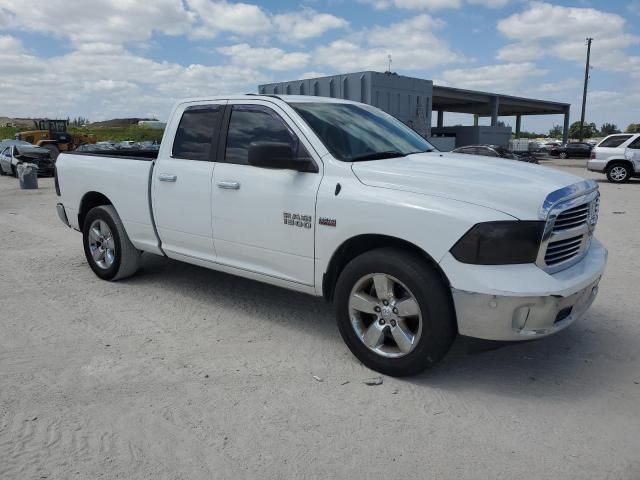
394	312
618	173
563	155
109	252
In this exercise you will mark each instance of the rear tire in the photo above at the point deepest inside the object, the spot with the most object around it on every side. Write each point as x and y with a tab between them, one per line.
109	252
618	173
563	155
423	337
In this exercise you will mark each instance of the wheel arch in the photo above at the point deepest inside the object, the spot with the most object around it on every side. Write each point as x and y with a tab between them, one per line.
363	243
613	161
89	201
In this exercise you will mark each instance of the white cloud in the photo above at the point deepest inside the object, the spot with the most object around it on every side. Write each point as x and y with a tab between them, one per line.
412	44
503	78
99	20
269	58
312	74
125	21
561	32
114	83
307	23
10	44
564	85
431	4
239	18
490	3
414	4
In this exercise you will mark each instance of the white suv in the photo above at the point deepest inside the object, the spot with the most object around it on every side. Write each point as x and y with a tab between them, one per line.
618	156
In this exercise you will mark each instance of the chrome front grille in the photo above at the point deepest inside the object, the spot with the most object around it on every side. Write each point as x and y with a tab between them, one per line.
571	218
561	250
569	228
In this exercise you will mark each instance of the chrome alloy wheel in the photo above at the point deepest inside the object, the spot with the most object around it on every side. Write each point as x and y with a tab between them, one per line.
385	315
618	173
101	244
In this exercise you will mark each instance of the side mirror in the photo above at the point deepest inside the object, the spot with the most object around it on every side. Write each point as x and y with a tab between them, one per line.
278	155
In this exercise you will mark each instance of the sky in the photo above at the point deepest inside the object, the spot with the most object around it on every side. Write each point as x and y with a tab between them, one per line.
120	58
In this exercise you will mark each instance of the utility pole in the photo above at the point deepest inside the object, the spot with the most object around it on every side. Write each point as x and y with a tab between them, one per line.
586	83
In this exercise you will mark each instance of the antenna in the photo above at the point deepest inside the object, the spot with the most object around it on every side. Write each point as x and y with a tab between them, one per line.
390	62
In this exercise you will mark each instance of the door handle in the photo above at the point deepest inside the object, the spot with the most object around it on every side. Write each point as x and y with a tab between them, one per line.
167	177
229	185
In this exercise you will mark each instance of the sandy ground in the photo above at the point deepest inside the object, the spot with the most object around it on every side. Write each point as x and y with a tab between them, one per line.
185	373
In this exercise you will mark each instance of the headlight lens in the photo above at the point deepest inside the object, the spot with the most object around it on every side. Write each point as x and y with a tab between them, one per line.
500	243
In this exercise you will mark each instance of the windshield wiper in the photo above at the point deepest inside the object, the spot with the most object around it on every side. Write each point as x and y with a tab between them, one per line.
378	155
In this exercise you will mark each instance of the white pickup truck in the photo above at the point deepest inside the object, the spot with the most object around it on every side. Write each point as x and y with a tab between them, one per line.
338	199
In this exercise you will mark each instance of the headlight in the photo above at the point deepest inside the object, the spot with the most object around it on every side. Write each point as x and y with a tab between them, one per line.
500	243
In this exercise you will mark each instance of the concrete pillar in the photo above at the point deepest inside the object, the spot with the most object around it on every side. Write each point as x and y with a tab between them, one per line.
565	130
495	104
475	120
518	125
440	119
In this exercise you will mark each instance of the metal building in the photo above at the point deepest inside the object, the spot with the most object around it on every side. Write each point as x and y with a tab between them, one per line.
412	100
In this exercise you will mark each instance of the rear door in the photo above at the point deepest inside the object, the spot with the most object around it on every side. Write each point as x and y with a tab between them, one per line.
263	219
611	147
182	181
632	152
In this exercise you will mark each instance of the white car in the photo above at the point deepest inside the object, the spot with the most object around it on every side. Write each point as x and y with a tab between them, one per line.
6	155
338	199
17	153
617	156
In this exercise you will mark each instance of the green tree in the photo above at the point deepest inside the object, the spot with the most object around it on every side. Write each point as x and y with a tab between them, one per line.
556	132
633	128
608	129
589	130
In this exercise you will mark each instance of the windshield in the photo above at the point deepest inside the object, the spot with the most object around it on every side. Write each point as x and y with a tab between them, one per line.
358	132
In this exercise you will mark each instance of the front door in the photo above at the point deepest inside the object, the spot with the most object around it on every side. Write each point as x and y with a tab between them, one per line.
264	219
182	181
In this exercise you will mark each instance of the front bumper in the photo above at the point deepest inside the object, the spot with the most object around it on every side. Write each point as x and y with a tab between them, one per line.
530	307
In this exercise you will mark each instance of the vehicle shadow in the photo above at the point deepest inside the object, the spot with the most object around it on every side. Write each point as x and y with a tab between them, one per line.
565	366
237	295
569	365
632	181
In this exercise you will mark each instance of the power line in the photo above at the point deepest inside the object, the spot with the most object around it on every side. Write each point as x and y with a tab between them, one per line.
586	83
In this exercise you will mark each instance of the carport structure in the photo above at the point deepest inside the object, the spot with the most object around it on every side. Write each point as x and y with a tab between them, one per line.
484	104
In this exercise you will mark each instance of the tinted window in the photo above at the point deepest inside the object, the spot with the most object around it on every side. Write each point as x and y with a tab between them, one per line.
254	123
635	144
360	132
464	150
613	142
196	133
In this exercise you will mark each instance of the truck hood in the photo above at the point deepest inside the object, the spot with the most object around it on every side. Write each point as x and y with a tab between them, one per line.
512	187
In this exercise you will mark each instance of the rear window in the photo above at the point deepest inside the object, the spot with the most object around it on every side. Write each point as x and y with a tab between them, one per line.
197	132
613	142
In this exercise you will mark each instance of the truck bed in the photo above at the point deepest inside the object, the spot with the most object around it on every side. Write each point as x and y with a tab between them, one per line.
135	154
123	176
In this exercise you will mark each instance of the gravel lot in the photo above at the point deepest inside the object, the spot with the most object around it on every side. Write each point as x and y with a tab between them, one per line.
185	373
